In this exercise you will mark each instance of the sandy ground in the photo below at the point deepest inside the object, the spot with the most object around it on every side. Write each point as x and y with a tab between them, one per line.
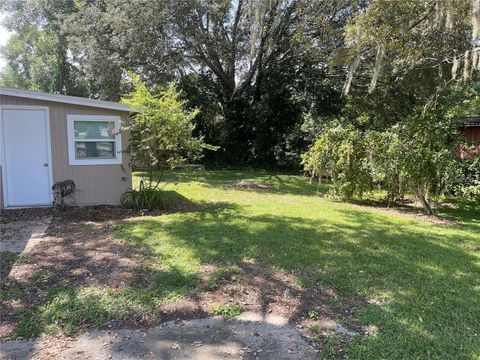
252	336
22	235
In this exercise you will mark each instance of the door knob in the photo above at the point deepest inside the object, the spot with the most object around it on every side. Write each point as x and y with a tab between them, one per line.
45	164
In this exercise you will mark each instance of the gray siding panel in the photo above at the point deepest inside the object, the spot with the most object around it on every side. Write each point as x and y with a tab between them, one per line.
1	188
96	184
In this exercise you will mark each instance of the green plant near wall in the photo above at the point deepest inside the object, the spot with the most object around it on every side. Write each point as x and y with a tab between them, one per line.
145	197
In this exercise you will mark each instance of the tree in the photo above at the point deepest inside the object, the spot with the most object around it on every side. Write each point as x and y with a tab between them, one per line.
405	59
417	154
411	42
262	65
37	53
161	130
258	61
340	154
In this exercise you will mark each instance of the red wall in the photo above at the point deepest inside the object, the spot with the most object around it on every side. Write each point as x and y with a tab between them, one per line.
473	133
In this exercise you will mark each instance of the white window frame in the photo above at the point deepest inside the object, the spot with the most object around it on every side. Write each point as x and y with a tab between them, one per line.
94	161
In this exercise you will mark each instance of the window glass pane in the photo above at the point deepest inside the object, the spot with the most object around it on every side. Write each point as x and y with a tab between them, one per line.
94	149
94	129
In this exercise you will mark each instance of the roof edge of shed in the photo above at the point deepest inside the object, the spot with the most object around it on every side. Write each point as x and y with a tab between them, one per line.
469	121
65	99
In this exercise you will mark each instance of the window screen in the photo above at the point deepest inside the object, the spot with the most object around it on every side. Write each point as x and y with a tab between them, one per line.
94	139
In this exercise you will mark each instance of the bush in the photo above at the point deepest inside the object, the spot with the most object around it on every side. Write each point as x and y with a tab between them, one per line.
468	185
145	197
340	154
417	155
161	134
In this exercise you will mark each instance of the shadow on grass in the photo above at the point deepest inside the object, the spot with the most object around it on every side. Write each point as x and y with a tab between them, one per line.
8	260
465	212
88	280
461	211
81	276
421	283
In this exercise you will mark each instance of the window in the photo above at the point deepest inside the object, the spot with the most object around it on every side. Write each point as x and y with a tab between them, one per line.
94	140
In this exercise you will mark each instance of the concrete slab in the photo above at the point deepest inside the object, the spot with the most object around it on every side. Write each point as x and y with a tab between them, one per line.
252	336
21	235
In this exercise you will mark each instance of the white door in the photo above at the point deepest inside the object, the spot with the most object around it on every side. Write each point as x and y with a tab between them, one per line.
27	156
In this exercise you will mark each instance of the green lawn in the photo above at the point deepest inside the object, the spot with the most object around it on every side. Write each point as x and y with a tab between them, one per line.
420	281
415	282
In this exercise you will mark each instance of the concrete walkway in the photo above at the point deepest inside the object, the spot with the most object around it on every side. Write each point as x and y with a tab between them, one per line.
252	336
21	235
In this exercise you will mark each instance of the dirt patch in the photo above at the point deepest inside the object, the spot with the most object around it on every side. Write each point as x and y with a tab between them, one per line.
16	236
259	290
32	214
77	250
250	184
410	212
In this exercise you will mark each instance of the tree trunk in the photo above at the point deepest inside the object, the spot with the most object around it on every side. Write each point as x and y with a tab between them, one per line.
423	201
62	74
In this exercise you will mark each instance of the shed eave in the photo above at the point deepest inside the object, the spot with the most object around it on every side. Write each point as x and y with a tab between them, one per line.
469	121
65	99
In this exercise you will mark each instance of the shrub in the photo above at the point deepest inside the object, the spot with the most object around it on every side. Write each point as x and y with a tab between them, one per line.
145	197
340	154
417	155
161	132
467	186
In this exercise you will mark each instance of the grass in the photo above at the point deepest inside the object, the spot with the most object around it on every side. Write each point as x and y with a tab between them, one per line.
227	311
313	314
68	308
419	281
9	259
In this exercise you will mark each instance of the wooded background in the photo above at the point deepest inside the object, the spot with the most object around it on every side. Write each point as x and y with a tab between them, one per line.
268	76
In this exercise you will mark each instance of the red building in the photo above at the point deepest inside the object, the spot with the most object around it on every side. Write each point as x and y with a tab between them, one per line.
470	128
